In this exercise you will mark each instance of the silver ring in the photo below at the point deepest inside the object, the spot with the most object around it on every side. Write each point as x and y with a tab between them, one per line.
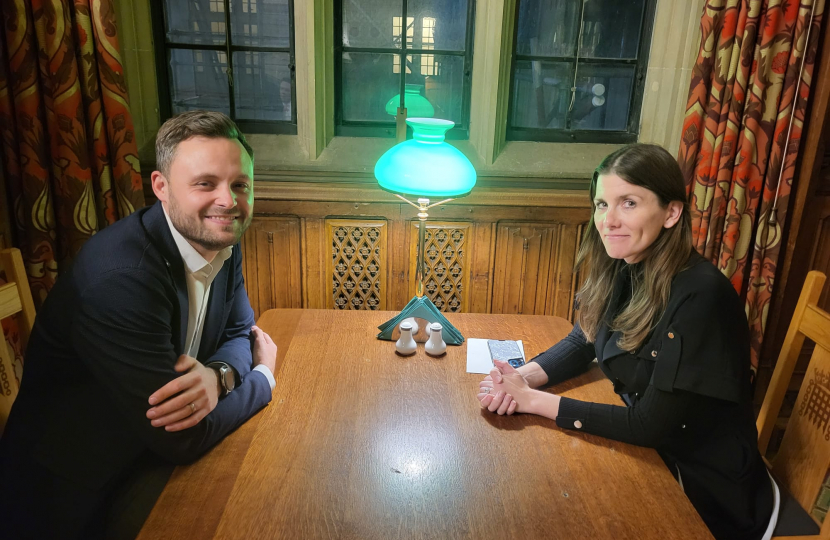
486	390
192	408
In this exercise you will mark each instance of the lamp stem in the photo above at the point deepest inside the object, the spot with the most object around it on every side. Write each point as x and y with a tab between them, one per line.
422	206
400	124
422	229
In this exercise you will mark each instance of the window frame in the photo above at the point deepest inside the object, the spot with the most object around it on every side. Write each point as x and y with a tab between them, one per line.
368	128
632	131
158	14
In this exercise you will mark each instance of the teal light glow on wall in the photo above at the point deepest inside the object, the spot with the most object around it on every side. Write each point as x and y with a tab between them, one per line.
426	165
417	106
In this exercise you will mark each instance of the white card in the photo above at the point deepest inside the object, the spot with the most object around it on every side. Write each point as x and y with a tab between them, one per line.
478	356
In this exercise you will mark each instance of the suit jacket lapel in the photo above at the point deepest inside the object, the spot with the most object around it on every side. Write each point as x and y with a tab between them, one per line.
157	228
611	349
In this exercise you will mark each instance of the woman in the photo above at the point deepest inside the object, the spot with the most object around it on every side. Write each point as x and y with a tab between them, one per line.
670	332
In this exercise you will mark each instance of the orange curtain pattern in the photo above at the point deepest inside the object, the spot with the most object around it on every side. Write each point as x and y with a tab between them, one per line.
753	71
69	156
69	159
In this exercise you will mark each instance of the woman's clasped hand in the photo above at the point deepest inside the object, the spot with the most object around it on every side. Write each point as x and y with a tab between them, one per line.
496	392
507	390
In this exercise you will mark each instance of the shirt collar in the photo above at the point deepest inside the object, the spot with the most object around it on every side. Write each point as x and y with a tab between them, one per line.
193	260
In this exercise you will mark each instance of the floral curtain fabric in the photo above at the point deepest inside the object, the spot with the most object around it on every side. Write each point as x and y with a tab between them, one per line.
739	146
69	160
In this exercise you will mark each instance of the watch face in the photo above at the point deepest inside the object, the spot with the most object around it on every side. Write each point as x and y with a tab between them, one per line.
227	375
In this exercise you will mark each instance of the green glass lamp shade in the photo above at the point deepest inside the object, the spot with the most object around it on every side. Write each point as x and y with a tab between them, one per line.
416	105
426	165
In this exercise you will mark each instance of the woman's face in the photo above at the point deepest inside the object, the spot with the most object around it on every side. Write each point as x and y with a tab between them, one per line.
629	218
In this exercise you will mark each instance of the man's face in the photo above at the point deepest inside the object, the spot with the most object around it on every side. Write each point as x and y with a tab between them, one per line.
208	192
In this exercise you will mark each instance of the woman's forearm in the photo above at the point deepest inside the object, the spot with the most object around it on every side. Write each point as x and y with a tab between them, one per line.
543	404
533	374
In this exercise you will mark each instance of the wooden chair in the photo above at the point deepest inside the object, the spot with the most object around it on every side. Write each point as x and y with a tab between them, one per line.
15	297
803	459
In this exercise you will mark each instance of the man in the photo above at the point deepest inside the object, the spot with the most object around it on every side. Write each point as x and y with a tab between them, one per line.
145	349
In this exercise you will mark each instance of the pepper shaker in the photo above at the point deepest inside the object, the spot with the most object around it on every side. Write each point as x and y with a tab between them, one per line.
405	344
435	346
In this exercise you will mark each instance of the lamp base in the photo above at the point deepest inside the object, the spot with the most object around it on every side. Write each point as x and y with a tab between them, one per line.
421	308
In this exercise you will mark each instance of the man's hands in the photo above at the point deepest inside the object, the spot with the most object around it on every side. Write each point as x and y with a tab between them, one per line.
172	402
265	350
186	400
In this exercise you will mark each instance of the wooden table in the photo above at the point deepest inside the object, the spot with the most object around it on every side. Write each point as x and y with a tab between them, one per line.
359	442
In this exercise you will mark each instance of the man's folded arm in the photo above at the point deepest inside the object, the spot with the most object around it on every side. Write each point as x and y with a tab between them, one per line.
122	333
235	343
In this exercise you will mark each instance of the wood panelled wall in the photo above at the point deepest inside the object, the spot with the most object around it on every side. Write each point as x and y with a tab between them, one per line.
355	247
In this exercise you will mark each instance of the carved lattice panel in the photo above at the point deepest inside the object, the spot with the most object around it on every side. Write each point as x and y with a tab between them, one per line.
357	266
447	256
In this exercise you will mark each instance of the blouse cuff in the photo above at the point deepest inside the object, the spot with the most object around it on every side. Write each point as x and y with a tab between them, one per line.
572	413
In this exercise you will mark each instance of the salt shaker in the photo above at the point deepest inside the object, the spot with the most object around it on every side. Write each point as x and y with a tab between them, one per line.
435	346
414	323
405	344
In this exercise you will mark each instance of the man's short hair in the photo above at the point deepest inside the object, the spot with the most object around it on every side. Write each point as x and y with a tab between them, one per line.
194	124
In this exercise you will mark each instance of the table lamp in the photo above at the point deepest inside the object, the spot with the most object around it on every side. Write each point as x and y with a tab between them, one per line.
425	166
415	104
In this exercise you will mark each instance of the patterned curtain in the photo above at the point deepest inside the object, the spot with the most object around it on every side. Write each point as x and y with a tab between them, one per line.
69	157
753	69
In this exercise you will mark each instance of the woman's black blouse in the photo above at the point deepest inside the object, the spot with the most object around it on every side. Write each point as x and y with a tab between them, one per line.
687	391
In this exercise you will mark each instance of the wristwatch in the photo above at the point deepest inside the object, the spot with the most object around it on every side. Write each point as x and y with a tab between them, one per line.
227	379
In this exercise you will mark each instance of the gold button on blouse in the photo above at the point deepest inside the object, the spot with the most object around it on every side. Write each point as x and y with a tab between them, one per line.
671	335
577	424
654	354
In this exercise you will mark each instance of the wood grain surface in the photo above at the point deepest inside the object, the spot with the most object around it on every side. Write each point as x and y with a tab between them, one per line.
359	442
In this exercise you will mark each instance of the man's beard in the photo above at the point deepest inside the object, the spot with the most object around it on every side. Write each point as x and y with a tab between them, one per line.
193	230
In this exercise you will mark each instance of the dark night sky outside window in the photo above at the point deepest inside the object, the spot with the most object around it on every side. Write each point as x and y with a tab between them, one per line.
436	53
578	70
232	56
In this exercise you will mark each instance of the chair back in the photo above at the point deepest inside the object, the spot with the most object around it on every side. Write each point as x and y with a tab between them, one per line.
15	297
803	460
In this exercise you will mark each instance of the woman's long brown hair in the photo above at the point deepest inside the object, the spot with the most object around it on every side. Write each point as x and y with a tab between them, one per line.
653	168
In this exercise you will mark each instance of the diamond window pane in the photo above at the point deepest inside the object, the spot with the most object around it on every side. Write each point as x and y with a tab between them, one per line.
195	21
438	24
374	23
440	79
603	97
612	28
260	23
369	81
541	94
199	80
548	27
262	85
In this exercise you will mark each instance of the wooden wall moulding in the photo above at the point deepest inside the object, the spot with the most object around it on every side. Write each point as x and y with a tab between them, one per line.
533	272
348	253
357	267
271	263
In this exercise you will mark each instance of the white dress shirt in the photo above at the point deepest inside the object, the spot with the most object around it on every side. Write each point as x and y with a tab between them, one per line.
199	275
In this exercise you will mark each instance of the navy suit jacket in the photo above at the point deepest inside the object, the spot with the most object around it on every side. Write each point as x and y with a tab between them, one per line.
108	336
